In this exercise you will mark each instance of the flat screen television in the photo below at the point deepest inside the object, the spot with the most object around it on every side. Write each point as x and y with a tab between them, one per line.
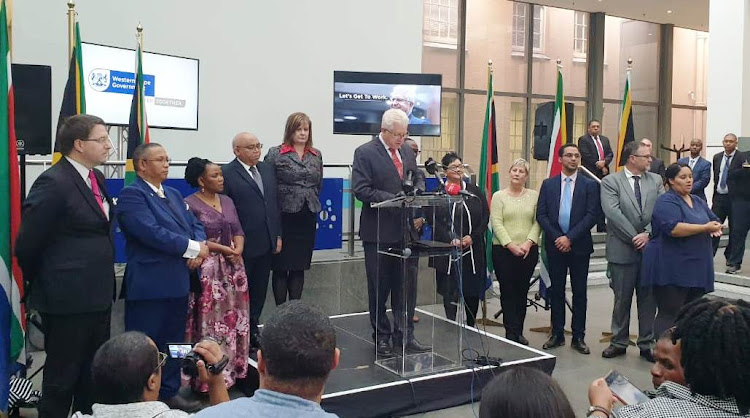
171	86
359	100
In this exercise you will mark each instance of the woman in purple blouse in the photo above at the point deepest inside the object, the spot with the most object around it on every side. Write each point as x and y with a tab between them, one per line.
220	308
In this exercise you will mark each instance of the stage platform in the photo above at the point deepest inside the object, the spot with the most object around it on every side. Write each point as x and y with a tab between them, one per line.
359	388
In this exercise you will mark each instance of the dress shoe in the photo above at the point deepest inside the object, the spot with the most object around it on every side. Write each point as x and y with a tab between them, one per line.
554	341
178	402
523	340
520	339
384	349
413	347
733	269
613	351
579	345
647	354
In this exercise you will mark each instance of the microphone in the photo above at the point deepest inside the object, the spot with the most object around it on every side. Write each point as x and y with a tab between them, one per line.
408	181
431	167
455	190
406	252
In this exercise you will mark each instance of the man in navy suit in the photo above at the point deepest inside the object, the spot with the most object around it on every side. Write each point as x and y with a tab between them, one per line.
377	175
700	166
251	184
164	241
567	209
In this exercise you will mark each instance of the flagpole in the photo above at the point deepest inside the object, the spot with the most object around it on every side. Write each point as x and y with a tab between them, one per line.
71	27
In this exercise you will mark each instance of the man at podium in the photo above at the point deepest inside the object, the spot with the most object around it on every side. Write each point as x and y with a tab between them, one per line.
380	170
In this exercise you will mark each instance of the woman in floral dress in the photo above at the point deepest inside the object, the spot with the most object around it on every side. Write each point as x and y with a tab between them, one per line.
221	308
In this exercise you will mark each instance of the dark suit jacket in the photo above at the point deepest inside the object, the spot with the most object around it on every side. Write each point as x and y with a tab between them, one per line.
258	212
64	246
701	175
590	155
583	214
657	167
735	164
375	179
157	232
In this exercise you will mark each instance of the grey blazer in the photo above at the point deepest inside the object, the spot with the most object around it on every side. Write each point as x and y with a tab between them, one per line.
625	219
299	181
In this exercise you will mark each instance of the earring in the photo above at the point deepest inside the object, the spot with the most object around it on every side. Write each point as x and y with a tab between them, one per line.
203	190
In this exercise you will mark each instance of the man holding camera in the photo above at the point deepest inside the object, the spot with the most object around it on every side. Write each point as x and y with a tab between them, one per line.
127	372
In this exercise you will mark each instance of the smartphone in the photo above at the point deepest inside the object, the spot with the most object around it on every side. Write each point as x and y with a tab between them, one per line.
179	350
623	390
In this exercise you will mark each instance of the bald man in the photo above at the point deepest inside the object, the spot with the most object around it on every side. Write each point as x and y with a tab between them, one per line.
251	184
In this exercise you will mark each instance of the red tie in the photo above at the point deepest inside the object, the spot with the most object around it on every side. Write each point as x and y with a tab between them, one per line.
95	189
397	163
599	148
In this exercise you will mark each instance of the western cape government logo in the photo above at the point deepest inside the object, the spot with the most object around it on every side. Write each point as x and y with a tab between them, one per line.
99	79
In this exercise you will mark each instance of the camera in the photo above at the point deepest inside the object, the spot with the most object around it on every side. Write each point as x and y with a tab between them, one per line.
190	358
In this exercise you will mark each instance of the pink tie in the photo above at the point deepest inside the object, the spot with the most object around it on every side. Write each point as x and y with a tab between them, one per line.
397	163
599	148
95	189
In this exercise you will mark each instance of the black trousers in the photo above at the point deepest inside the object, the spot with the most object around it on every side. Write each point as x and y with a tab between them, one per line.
451	295
722	207
669	300
258	270
514	276
164	321
738	229
70	342
559	265
387	275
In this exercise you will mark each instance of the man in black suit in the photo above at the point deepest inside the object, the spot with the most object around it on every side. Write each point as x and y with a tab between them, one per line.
251	184
725	163
378	171
657	164
568	207
65	250
596	155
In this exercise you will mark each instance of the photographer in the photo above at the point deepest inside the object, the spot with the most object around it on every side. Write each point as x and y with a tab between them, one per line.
126	372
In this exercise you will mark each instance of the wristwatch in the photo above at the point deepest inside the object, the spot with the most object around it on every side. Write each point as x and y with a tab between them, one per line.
596	408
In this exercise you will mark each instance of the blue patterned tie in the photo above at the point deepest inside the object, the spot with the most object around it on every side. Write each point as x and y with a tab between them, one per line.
723	180
565	204
637	190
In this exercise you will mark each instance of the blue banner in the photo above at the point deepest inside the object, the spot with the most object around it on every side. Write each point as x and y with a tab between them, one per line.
329	229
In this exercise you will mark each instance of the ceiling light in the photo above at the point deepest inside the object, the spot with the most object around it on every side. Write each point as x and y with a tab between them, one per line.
669	12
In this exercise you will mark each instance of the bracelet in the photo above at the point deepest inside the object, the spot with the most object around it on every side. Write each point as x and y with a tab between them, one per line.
596	408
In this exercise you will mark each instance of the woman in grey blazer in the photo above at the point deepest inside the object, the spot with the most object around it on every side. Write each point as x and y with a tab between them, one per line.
299	176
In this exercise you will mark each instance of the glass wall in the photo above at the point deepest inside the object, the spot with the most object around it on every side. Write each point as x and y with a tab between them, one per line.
560	35
689	87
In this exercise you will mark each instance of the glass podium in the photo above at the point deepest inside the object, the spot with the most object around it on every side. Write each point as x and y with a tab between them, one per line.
415	234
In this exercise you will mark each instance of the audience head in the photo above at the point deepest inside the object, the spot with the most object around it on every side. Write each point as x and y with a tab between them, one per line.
730	143
202	173
667	367
570	157
85	139
594	127
637	157
524	392
298	130
679	178
246	148
151	162
519	172
297	351
714	336
127	369
696	145
394	127
648	144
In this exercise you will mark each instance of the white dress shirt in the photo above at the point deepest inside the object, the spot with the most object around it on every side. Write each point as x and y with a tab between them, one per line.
630	175
572	184
719	189
388	149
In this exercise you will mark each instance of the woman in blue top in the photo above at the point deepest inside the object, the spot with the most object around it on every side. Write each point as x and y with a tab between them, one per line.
678	261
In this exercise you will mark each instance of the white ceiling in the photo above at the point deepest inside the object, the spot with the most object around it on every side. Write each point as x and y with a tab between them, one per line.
691	14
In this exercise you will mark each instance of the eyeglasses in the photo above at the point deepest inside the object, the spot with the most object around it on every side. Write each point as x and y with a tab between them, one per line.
161	160
649	156
103	140
571	155
401	100
253	147
403	135
455	168
162	360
